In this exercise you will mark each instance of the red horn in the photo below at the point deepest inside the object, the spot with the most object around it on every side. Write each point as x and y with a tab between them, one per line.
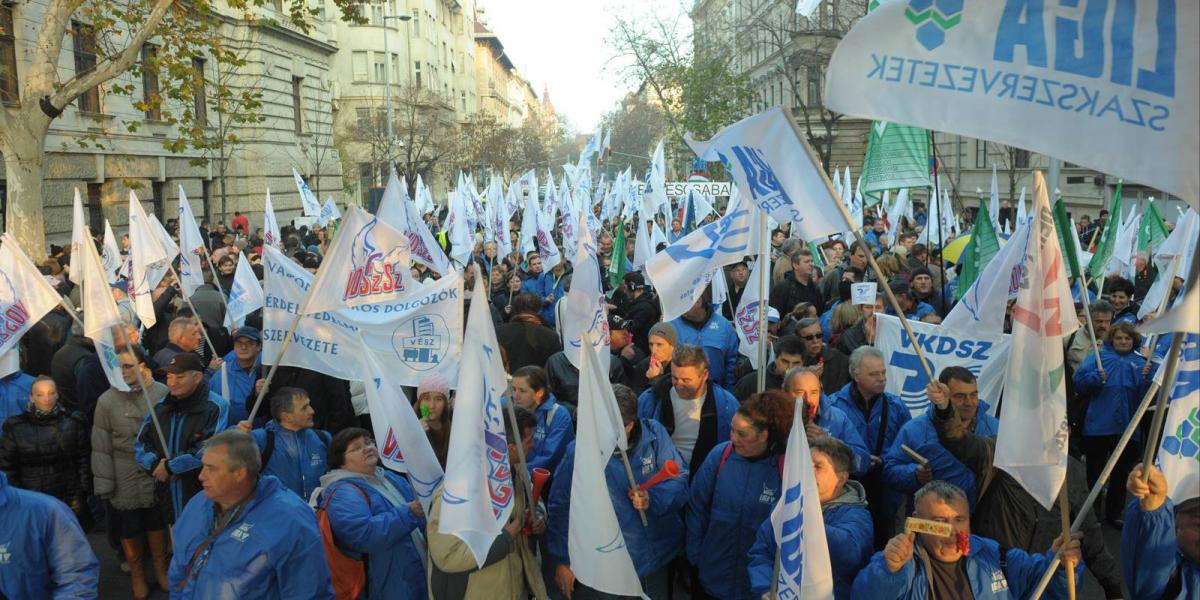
540	477
669	469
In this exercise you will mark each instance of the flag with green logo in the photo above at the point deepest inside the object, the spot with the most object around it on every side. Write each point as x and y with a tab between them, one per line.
616	269
1152	231
818	256
1108	237
897	158
1062	224
981	249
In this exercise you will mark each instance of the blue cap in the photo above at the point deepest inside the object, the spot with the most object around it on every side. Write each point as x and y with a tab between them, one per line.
248	333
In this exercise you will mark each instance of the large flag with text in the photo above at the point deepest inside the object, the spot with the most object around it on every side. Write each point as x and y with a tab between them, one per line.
897	158
100	315
803	552
367	263
25	296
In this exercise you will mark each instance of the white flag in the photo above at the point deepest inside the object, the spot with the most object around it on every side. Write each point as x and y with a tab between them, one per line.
367	263
799	527
1179	453
776	168
1173	259
245	293
585	311
994	202
111	258
642	248
148	262
312	206
900	209
100	315
529	223
424	199
191	267
460	228
1022	213
595	542
477	496
164	238
984	304
79	237
682	271
329	212
404	446
747	320
271	235
1032	445
397	210
1028	74
547	249
25	297
806	8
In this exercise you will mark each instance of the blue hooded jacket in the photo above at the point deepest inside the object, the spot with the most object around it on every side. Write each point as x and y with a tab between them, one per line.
186	424
848	533
652	547
543	286
1112	401
241	386
835	423
379	530
989	581
298	459
1150	554
555	429
720	343
868	428
727	503
900	470
650	407
271	549
43	551
14	394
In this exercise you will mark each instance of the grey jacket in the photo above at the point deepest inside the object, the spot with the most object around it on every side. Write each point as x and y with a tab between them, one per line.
116	476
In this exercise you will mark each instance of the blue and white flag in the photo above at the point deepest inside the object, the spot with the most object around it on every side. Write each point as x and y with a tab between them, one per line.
149	262
25	296
329	212
682	270
397	210
994	202
478	493
529	224
585	310
312	206
776	169
271	235
110	258
100	315
424	199
367	263
245	293
747	320
1179	453
799	527
595	542
191	244
985	303
403	445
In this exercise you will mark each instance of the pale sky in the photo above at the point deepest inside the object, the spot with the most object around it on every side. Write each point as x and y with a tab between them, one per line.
560	43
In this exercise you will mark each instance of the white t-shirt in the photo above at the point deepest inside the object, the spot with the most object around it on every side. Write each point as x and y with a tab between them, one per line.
687	423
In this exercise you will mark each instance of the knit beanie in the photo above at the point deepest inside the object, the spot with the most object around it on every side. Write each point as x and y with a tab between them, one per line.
665	331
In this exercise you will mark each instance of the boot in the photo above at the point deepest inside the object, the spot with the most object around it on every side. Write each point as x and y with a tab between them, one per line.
158	552
135	555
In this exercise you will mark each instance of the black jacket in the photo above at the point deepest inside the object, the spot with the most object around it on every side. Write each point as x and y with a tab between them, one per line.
563	378
748	385
67	368
835	373
786	294
48	453
642	312
851	339
526	343
46	337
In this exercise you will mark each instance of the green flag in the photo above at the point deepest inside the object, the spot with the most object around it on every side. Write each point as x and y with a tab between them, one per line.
616	269
981	249
1062	224
1152	231
1108	237
818	256
897	157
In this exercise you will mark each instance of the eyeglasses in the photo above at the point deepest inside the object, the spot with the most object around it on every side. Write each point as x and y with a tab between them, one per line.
811	337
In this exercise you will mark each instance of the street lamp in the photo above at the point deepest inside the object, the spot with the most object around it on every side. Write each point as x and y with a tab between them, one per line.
387	76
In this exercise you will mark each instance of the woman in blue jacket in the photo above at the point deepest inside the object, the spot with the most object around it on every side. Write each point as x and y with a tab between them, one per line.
374	515
734	491
555	428
1111	398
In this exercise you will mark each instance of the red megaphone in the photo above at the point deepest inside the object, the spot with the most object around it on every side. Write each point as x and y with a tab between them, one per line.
540	477
669	469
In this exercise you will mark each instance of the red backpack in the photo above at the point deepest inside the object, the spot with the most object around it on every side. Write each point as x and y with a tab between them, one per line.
349	575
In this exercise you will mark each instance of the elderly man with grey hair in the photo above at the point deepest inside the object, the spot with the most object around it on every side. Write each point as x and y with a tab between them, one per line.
247	535
878	417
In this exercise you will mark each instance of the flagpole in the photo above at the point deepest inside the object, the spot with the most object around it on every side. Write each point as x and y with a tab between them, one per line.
66	303
764	277
217	285
1064	508
1160	409
522	466
775	576
863	243
1087	311
632	482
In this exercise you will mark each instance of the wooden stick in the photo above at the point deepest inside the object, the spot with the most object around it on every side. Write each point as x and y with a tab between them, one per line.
775	577
633	485
1160	409
1087	311
1064	507
921	460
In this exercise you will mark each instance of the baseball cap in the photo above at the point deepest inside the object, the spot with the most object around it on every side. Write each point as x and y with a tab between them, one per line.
616	322
184	362
248	332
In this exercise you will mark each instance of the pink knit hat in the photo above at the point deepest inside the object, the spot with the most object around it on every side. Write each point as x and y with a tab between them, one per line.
433	381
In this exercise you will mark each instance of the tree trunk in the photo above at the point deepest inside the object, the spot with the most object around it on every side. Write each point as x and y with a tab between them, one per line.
24	160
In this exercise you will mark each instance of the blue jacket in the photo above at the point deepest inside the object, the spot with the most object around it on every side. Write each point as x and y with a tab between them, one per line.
241	386
1112	401
872	240
720	343
545	285
555	429
917	313
43	551
298	458
652	547
835	423
186	424
827	321
726	505
14	394
868	427
900	470
381	531
650	406
272	549
848	533
1016	580
1150	554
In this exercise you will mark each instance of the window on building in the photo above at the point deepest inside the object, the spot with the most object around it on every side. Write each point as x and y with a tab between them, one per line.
200	94
158	197
85	61
278	5
358	62
8	57
380	67
94	207
366	178
298	104
377	13
416	22
464	101
363	118
417	74
396	78
1021	158
150	82
981	154
814	85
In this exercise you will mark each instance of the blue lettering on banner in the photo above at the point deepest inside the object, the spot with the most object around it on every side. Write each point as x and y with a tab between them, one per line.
915	381
791	537
762	182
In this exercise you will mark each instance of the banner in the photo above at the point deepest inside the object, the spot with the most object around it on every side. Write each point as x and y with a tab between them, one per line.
412	335
1179	454
985	355
25	297
798	525
1081	83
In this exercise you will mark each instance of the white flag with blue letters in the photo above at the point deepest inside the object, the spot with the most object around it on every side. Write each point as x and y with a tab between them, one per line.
804	567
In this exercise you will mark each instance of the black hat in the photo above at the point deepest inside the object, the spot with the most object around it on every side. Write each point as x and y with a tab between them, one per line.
634	280
922	270
184	362
618	323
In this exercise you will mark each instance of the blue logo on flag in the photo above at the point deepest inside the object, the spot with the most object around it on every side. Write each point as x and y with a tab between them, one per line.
722	237
933	18
764	186
791	538
422	341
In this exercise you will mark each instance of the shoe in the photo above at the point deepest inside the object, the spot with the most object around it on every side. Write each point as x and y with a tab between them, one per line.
135	552
158	554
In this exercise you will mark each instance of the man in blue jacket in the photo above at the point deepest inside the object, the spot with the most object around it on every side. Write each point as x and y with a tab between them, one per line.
903	474
847	522
821	417
934	567
1160	543
701	326
550	286
247	536
651	547
241	366
878	417
43	550
291	450
695	412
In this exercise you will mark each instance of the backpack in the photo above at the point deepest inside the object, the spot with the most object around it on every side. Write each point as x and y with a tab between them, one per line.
349	575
